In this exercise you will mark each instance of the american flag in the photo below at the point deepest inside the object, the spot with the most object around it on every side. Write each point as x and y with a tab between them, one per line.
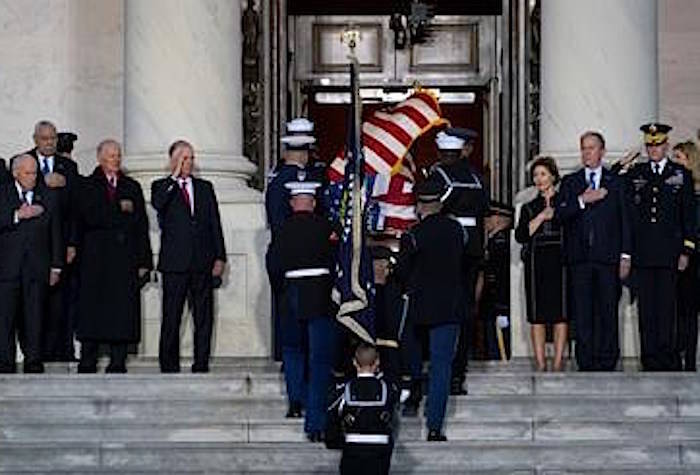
387	137
354	285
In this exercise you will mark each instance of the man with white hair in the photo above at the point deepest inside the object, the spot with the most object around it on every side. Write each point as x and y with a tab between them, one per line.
32	254
115	262
60	174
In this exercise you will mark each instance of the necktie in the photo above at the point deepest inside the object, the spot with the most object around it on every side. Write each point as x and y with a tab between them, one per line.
656	168
24	197
111	188
186	195
591	180
45	170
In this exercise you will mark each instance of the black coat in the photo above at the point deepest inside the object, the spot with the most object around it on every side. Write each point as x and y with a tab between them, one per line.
432	262
601	231
663	214
115	246
5	176
188	242
67	195
303	242
34	244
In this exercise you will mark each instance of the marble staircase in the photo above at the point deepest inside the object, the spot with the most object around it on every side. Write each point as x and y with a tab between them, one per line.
513	421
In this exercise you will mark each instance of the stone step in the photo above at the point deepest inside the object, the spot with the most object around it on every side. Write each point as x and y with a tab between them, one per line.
637	470
216	409
259	383
452	457
411	429
597	471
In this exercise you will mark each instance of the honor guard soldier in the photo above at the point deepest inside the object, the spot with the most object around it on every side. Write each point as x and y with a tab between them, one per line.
495	298
431	264
301	258
661	194
366	408
294	167
466	198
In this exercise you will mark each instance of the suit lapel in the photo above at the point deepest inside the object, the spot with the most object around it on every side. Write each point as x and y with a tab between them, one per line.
582	179
16	202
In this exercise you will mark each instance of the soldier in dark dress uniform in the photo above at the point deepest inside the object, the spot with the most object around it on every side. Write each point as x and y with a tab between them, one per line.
389	301
366	406
431	264
495	300
294	167
466	199
662	209
302	260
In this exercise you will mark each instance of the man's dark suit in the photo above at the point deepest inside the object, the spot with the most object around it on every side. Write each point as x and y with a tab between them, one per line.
595	237
5	176
58	327
29	249
190	243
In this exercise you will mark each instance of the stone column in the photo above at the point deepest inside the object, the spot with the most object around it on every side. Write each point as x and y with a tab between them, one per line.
183	80
599	71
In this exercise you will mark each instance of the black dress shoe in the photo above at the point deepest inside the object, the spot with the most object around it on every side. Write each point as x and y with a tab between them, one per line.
458	388
294	411
200	368
6	369
316	436
117	369
82	369
436	436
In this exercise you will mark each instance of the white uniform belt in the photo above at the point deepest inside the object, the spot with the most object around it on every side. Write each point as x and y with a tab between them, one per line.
313	272
367	438
467	221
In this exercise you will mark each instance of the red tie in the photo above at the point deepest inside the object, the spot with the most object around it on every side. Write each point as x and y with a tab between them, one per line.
111	188
186	195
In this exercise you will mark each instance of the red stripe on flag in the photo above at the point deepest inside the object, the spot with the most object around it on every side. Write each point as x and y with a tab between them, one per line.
397	132
420	120
398	223
428	100
377	147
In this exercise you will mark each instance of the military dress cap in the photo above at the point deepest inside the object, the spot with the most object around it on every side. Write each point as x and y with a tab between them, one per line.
65	142
429	190
448	142
655	133
302	187
299	134
300	125
468	135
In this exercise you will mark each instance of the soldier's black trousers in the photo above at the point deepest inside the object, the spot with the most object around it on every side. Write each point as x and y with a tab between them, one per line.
657	318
